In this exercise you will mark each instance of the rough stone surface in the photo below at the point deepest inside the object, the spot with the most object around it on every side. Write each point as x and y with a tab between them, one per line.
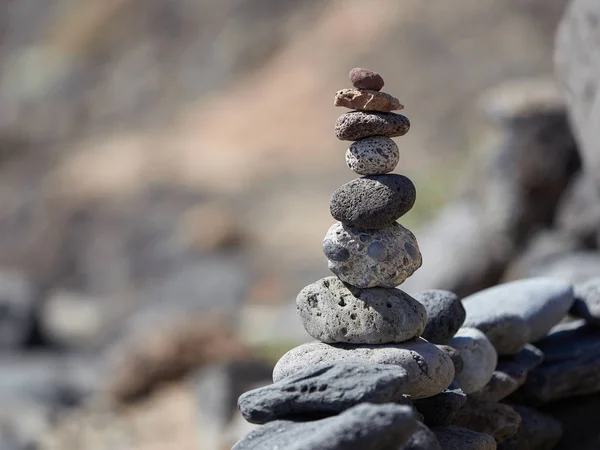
500	386
587	301
458	438
422	439
496	419
332	311
367	100
571	365
363	427
441	408
541	302
366	79
536	432
17	309
383	258
445	314
508	333
429	369
373	202
356	125
479	359
324	390
373	155
455	357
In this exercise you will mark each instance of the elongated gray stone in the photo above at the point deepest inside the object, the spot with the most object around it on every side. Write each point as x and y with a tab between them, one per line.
356	125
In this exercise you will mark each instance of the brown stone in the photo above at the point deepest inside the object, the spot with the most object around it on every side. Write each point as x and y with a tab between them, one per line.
366	79
367	100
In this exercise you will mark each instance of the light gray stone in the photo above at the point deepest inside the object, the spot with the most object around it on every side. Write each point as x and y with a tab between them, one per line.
540	302
332	311
479	359
373	155
587	301
363	427
508	333
382	258
356	125
445	314
430	370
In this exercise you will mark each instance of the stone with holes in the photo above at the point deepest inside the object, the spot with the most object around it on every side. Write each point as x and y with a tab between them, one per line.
332	311
373	155
356	125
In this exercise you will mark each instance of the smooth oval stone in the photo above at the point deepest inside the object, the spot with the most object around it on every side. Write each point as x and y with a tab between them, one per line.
362	427
324	390
355	125
458	438
508	333
366	79
373	202
540	302
375	258
332	311
587	301
479	359
445	314
367	100
430	370
373	155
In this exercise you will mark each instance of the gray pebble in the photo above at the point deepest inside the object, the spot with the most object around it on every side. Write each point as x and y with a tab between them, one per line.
332	311
536	432
479	359
363	427
441	408
324	390
445	314
587	301
422	439
373	202
458	438
500	386
382	258
429	369
455	357
356	125
373	155
540	302
496	419
508	333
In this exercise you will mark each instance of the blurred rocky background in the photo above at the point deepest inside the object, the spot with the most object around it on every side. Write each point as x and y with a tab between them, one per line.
165	173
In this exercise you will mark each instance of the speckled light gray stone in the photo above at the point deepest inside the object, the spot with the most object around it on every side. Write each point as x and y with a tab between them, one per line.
332	311
540	302
356	125
430	370
373	202
587	301
508	333
479	359
324	390
445	314
373	155
458	438
383	258
363	427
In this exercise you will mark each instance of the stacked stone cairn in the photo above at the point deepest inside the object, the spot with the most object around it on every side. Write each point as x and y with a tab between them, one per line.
391	371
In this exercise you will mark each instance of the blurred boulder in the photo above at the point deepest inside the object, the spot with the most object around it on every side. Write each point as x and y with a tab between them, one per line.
18	307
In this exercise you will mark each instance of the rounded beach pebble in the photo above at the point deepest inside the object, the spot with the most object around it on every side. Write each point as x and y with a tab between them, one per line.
373	202
430	370
356	125
445	314
366	79
479	359
367	100
382	258
332	311
374	155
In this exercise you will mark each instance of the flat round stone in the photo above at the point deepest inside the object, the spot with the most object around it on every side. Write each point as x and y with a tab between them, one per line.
367	100
479	359
332	312
364	259
445	314
430	370
373	202
355	125
366	79
374	155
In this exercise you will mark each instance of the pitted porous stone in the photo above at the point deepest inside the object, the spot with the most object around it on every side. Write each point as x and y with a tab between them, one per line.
332	311
367	100
430	370
366	79
373	202
382	258
356	125
479	359
373	155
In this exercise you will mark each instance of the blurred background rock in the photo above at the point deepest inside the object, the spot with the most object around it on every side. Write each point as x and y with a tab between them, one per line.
165	173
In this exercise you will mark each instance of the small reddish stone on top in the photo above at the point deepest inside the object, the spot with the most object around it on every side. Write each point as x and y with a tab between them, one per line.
366	79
